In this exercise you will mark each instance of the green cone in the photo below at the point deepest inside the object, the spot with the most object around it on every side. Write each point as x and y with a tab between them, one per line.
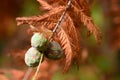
39	42
32	57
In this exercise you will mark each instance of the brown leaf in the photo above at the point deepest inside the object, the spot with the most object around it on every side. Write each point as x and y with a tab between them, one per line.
44	5
66	46
82	14
70	40
92	28
36	20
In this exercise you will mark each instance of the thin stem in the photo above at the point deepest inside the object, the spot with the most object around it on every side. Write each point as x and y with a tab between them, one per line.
38	68
61	18
34	28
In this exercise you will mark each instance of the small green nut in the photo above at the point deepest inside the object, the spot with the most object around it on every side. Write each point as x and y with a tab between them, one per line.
54	51
32	57
39	41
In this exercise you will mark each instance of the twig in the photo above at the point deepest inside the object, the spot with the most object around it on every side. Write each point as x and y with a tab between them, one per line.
37	71
61	19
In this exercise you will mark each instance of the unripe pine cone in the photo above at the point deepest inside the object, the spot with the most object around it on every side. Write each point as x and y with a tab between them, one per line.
39	42
32	57
54	51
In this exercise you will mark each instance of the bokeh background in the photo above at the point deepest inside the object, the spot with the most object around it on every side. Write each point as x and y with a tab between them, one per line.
102	62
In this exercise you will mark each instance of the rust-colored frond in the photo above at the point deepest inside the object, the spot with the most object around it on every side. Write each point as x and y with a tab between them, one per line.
66	45
44	5
93	29
34	20
74	33
83	15
69	38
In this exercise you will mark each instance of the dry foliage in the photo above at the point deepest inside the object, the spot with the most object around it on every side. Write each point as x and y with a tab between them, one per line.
68	33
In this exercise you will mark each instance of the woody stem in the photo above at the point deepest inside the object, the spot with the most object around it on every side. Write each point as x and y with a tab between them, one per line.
61	18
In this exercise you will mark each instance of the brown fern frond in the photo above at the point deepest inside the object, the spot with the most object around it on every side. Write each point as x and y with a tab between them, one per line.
93	29
74	33
66	45
82	16
34	20
44	5
69	38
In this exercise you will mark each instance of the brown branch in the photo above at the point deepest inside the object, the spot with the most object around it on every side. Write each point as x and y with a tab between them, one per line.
61	18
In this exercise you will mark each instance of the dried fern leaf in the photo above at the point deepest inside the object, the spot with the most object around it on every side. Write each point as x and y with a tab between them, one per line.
70	41
44	5
73	33
87	21
93	29
66	46
37	19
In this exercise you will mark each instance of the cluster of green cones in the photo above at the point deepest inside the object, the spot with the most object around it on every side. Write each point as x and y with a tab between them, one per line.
40	45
